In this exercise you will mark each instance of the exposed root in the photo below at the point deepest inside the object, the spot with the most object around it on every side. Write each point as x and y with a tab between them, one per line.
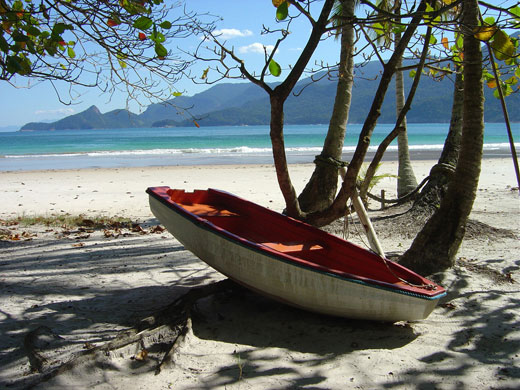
156	337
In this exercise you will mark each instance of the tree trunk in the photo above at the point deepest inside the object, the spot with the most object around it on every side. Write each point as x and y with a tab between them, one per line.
431	195
277	97
406	181
376	160
337	209
321	189
280	159
436	245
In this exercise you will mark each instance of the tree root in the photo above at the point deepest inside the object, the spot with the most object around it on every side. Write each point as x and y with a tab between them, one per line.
164	330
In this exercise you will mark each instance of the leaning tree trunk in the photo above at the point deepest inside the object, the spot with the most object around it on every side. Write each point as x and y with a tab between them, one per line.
406	181
431	195
321	189
278	96
436	245
348	187
280	158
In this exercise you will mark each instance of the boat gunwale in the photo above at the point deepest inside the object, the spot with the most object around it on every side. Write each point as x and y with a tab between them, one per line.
286	257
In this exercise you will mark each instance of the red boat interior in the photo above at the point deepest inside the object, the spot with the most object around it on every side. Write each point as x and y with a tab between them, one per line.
310	246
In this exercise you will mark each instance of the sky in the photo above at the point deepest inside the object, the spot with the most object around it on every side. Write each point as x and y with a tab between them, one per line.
241	26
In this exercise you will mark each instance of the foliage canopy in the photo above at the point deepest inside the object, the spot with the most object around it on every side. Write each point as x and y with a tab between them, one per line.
108	44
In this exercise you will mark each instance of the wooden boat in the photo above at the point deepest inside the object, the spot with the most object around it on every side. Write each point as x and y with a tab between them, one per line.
291	261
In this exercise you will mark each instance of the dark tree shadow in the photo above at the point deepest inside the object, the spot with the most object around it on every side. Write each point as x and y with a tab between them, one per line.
487	334
489	316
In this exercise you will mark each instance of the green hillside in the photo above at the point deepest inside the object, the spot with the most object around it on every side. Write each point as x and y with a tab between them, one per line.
235	104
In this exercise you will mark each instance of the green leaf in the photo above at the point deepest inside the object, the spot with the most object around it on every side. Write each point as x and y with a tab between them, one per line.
32	30
59	28
177	94
160	50
378	28
433	40
13	65
489	21
20	65
157	37
429	19
413	73
282	11
503	46
166	25
143	23
18	36
487	76
460	41
70	52
122	64
398	29
134	7
515	11
275	68
4	46
51	49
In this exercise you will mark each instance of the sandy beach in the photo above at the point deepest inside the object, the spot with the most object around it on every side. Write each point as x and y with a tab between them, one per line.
74	289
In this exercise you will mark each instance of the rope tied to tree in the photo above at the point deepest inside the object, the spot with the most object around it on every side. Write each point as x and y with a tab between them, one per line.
329	160
403	198
446	169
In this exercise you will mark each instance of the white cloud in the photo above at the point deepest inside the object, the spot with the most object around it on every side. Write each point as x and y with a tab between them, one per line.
59	111
255	48
230	33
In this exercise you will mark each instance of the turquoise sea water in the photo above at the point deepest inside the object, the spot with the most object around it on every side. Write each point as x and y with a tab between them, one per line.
197	146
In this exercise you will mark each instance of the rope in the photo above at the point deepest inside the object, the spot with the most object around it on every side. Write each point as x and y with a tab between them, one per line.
346	234
436	169
329	160
402	198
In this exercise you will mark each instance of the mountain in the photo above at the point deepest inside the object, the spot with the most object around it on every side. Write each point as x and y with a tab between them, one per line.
218	97
236	104
91	118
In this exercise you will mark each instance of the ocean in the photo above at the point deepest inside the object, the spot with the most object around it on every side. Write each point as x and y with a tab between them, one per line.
109	148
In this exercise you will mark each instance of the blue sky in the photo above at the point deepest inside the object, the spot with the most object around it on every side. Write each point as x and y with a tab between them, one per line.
242	24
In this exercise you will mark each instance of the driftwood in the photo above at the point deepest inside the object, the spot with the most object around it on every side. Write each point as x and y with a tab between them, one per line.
163	331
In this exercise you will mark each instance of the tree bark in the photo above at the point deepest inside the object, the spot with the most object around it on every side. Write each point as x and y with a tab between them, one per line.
436	245
280	159
278	96
320	191
337	209
406	181
401	116
440	175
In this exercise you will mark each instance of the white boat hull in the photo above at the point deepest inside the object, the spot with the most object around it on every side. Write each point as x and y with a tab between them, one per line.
282	280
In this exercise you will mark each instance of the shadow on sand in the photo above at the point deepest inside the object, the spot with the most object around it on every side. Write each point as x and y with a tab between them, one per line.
85	295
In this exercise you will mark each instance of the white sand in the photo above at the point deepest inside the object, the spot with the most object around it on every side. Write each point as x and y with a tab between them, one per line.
85	287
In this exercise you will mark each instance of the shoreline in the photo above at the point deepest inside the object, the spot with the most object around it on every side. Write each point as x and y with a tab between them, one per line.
84	161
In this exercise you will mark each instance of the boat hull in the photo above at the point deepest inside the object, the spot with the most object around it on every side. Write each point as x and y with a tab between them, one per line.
276	277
